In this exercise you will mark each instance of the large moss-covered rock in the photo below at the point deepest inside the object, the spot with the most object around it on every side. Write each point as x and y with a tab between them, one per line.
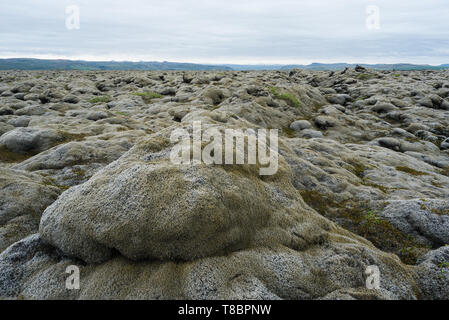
146	207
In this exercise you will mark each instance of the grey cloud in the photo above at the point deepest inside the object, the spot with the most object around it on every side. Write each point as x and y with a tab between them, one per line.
284	31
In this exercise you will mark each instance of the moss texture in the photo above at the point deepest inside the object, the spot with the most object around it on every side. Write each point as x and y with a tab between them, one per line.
148	96
358	218
12	157
411	171
101	99
286	96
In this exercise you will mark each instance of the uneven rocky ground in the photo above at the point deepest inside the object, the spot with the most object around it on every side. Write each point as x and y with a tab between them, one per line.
86	180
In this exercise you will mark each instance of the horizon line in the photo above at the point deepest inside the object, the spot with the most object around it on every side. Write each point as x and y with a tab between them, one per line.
225	63
194	61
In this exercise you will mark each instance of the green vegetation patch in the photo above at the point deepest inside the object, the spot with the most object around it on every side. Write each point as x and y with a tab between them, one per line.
148	96
123	114
101	99
286	96
411	171
359	219
365	76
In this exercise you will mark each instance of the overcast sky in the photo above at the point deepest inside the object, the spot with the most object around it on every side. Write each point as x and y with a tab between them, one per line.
228	31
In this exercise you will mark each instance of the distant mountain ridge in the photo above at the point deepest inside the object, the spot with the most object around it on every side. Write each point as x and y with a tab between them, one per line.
44	64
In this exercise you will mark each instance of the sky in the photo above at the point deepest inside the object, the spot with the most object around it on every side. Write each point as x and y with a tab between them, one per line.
228	31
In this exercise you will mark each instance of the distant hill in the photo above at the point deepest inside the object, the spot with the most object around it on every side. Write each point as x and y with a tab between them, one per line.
42	64
342	66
